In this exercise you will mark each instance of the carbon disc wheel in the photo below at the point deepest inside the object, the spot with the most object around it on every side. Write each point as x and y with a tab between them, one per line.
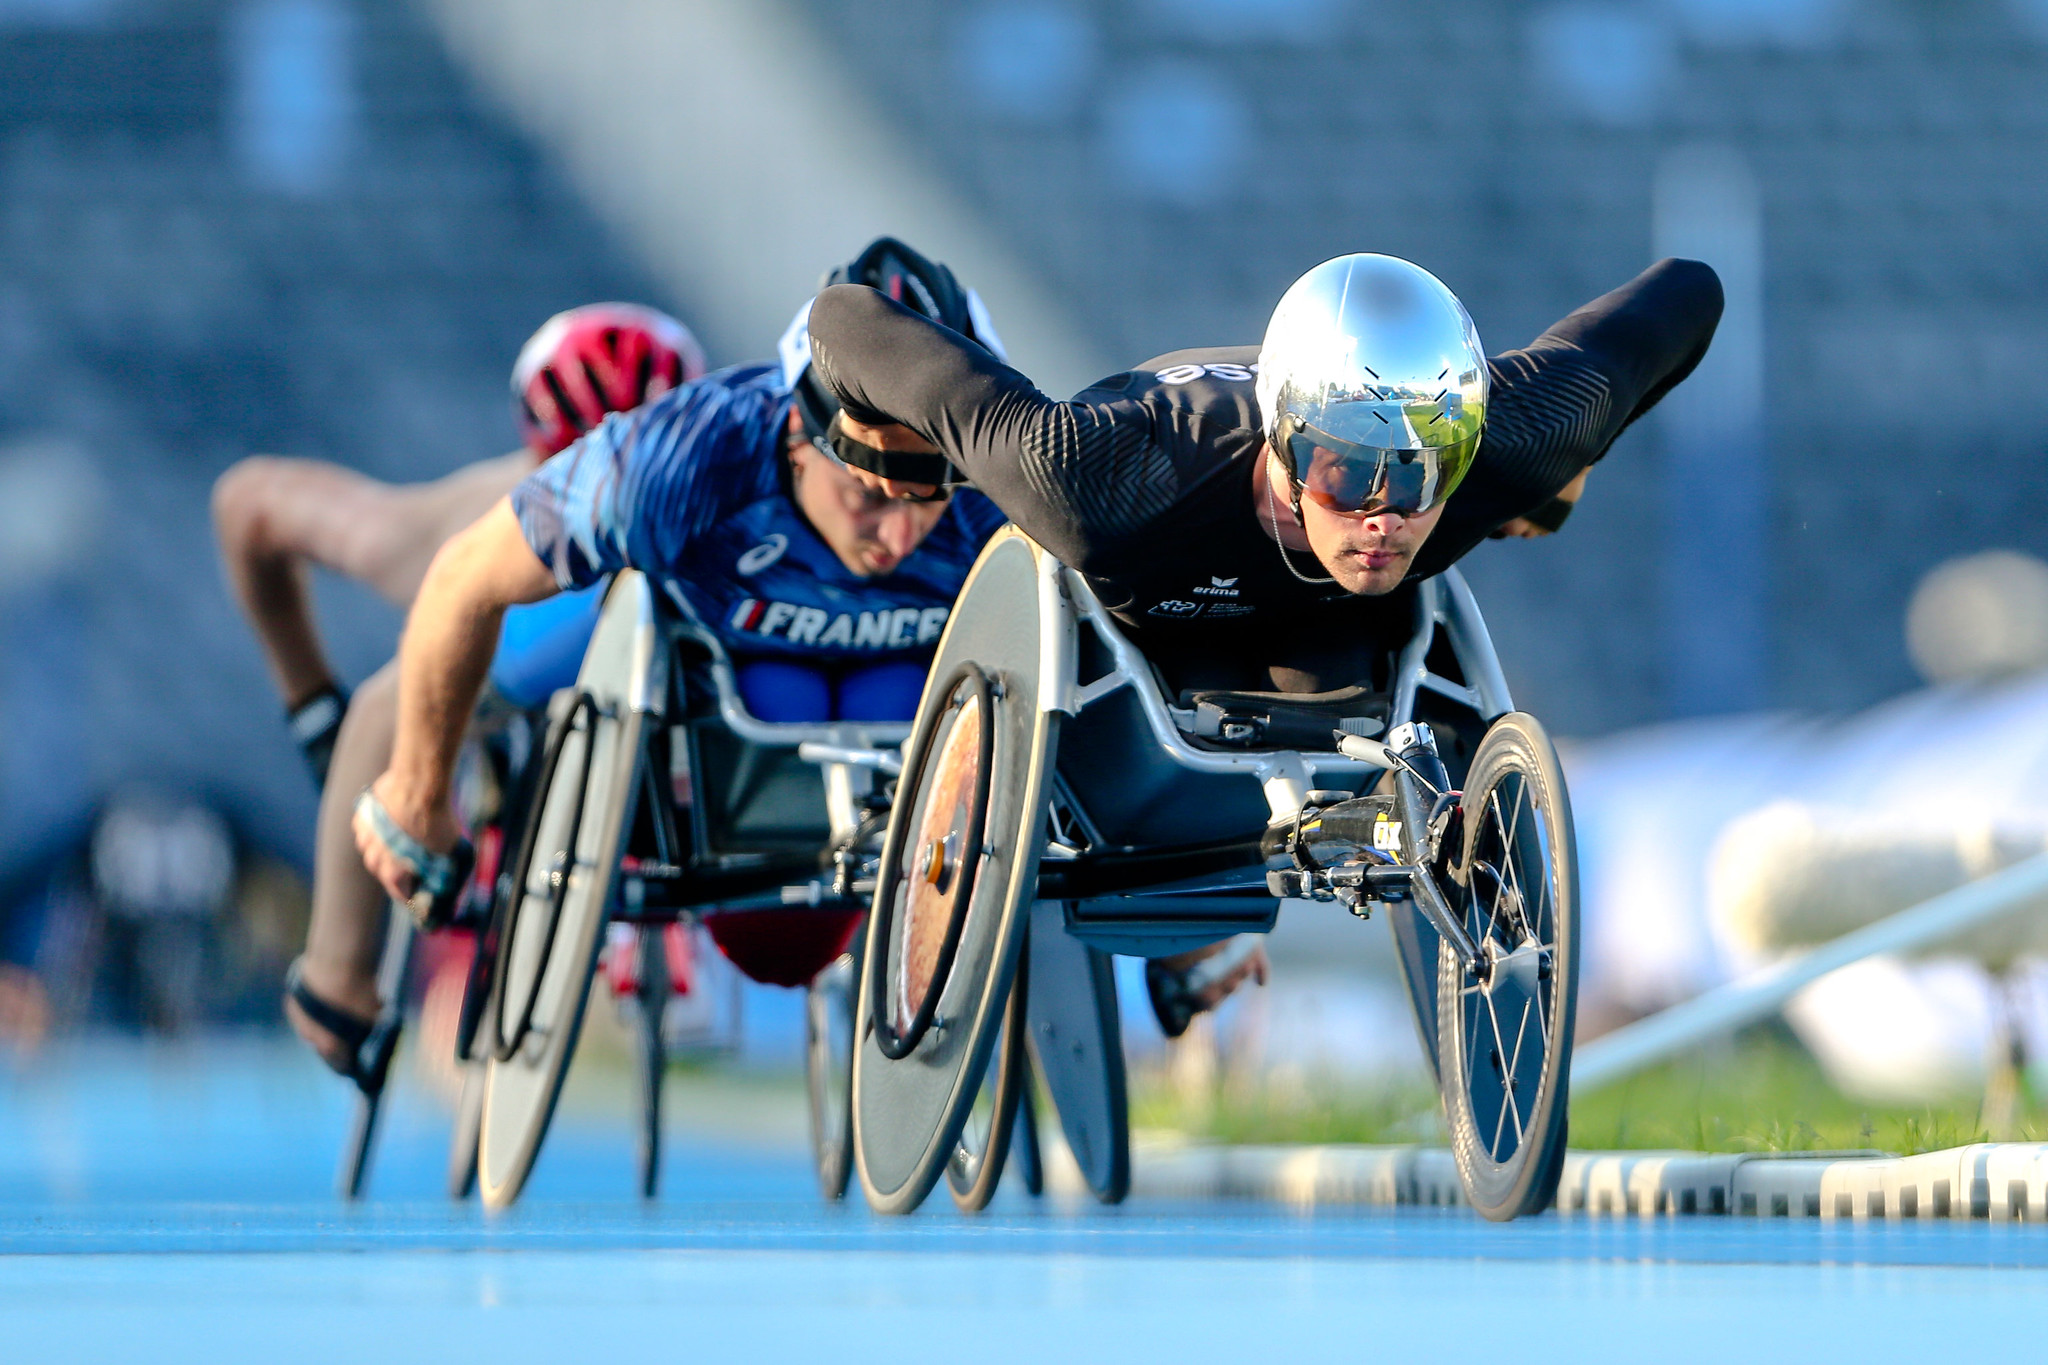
1504	1029
958	866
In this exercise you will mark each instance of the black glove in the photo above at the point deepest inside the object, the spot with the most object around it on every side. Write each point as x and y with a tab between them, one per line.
314	723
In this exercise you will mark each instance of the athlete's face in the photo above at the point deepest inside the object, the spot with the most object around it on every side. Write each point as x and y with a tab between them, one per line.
871	532
1367	555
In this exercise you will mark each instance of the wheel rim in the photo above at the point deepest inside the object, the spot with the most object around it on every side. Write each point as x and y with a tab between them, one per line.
932	861
1507	1008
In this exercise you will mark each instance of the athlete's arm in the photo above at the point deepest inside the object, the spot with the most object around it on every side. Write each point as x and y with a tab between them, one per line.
274	516
1558	404
442	659
1078	477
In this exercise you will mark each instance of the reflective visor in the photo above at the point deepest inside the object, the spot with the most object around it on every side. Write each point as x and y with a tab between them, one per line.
1360	480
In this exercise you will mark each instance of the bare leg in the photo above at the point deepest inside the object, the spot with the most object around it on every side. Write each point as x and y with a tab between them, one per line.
346	937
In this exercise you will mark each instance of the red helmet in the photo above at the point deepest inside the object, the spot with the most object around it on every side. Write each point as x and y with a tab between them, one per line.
593	360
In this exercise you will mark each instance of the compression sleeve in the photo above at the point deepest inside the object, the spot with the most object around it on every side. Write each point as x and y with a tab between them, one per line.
1558	404
1078	477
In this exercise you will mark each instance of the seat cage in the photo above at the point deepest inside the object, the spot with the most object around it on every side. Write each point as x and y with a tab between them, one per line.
705	734
1442	603
1151	846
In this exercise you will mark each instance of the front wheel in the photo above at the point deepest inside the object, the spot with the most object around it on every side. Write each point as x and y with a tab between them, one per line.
1504	1028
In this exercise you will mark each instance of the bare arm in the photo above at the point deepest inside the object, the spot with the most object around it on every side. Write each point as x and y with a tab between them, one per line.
449	639
273	516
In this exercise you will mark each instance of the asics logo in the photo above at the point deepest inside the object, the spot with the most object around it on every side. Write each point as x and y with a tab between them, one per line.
764	554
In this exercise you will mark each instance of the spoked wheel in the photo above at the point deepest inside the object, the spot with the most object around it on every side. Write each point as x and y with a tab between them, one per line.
984	1146
650	1052
552	922
958	866
829	1008
1504	1031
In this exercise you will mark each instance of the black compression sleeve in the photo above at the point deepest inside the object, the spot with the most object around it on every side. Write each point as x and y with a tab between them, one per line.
1559	403
1077	477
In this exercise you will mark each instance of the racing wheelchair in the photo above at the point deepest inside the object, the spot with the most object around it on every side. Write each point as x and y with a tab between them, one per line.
1056	805
657	799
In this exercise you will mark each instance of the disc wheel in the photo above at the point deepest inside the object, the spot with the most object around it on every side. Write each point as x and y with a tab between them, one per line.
958	866
1077	1041
552	922
829	1008
469	1123
983	1149
1504	1030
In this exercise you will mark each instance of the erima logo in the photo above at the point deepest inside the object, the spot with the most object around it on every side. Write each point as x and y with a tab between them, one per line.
901	628
1217	587
764	554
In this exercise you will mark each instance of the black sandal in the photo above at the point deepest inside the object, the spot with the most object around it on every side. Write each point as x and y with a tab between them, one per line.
370	1042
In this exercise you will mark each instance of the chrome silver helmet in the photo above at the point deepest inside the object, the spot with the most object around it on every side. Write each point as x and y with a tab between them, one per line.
1373	386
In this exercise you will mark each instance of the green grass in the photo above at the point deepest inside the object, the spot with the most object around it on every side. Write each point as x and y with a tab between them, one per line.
1760	1092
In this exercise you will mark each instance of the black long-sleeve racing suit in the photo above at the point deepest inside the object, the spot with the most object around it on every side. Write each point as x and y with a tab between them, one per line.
1144	481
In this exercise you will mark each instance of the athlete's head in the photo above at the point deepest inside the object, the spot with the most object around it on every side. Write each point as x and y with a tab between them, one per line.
923	286
870	531
597	359
1373	388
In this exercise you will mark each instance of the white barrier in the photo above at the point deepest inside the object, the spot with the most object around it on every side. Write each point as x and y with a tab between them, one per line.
1761	994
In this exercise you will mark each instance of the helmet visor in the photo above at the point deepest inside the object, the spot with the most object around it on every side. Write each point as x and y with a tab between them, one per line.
1362	481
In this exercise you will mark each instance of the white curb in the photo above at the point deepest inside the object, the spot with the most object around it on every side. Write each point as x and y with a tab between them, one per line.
1999	1182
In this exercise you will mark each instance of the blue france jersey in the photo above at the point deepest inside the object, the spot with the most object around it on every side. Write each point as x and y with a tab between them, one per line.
690	490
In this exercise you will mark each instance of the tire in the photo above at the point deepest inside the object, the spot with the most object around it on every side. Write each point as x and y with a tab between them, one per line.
941	951
983	1147
1504	1038
469	1125
564	879
650	1051
829	1008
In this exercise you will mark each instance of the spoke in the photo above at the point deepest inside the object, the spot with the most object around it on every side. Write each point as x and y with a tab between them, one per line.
1508	1091
1515	1066
1472	1035
1508	852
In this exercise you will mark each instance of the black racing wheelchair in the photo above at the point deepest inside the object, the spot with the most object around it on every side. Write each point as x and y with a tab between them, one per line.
1056	805
654	798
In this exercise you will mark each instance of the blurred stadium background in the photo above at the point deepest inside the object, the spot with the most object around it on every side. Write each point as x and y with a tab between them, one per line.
322	227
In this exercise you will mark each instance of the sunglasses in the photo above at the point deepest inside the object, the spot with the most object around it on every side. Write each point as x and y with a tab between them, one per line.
842	450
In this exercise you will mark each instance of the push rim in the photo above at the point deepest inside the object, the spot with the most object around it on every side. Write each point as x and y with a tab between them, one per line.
507	1042
921	905
983	1148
